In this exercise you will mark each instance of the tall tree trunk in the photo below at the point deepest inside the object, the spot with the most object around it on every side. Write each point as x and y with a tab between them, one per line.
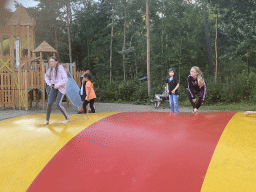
124	44
180	55
148	48
162	41
208	44
88	54
56	41
111	42
248	66
55	30
216	48
136	70
68	29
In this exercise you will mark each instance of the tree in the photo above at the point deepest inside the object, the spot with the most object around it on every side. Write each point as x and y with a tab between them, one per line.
68	17
148	48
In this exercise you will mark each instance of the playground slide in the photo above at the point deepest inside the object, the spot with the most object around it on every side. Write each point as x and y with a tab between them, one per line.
73	92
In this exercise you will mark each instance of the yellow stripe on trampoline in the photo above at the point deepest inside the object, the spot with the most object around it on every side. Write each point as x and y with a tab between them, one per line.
26	146
233	164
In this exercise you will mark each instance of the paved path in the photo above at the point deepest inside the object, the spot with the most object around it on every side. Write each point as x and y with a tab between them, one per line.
100	107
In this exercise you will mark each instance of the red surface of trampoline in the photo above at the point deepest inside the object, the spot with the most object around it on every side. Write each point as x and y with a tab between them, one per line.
136	152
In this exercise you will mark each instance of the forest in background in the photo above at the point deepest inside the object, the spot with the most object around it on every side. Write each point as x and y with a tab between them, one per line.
109	37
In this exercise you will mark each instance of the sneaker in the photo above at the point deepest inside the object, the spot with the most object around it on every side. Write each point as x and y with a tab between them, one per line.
65	122
195	111
79	112
46	123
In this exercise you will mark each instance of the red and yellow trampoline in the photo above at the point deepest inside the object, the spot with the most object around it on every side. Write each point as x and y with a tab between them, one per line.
129	151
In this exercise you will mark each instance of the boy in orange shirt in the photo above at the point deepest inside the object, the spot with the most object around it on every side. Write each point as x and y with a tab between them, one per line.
90	93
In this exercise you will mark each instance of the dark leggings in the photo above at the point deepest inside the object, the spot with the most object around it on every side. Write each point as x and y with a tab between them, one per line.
55	94
91	105
196	104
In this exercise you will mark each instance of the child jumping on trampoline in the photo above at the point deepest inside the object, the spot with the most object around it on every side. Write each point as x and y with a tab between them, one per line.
56	77
172	89
90	93
196	87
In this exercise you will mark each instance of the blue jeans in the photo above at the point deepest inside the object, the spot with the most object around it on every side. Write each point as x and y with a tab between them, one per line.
173	100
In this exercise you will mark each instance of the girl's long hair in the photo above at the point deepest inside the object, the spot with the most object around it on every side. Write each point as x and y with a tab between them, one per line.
56	68
199	76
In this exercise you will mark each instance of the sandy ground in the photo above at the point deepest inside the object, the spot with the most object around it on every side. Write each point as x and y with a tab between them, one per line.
100	107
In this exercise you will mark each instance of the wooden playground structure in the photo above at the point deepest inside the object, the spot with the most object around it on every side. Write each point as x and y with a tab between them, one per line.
22	67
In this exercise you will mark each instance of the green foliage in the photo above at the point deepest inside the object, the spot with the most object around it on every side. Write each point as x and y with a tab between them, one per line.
177	38
131	90
240	87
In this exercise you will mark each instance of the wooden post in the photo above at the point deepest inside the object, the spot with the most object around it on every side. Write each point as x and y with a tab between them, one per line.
48	56
28	45
6	88
11	48
19	83
2	47
21	41
54	54
74	71
9	88
30	98
37	98
42	79
33	38
12	87
2	87
26	90
34	55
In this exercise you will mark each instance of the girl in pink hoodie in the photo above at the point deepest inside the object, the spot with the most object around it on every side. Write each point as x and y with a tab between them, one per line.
56	77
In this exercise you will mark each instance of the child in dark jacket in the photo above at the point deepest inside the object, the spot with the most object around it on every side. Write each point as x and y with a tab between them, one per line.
196	87
82	91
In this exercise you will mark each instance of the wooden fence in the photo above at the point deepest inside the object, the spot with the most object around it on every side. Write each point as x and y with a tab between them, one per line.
15	87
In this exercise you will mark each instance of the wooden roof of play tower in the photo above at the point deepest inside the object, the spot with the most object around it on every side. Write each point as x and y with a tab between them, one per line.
45	47
21	17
